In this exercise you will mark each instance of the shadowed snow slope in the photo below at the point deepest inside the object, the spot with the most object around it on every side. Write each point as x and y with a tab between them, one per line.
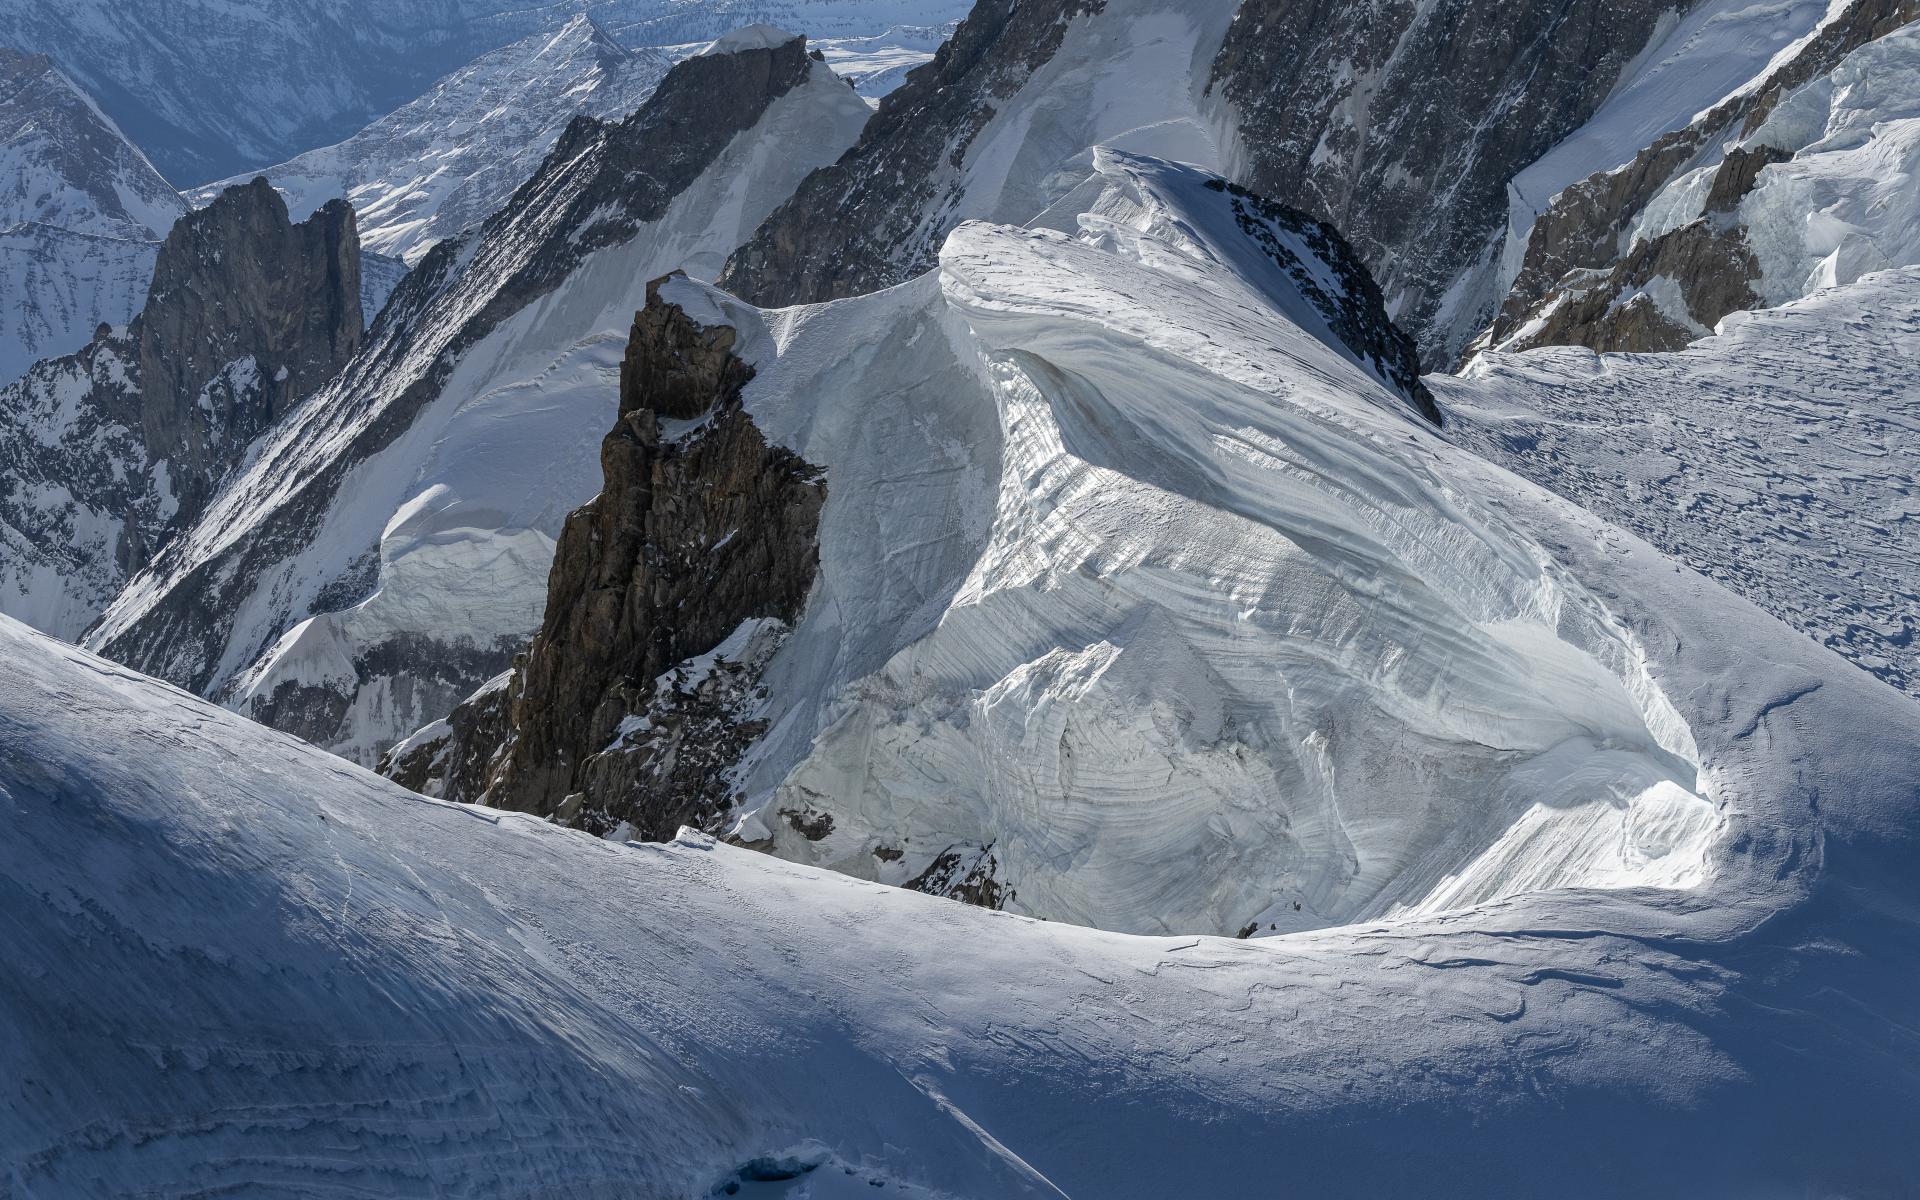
236	963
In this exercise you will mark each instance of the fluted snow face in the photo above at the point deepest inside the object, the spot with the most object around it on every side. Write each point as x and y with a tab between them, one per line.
1226	650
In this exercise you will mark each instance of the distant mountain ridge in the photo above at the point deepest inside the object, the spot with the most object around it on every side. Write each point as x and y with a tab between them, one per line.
443	163
217	88
82	212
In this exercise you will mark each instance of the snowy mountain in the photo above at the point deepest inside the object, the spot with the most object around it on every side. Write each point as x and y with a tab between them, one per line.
683	22
1785	184
1276	100
878	63
1089	694
1023	491
1139	540
999	126
219	88
107	453
442	164
392	541
82	213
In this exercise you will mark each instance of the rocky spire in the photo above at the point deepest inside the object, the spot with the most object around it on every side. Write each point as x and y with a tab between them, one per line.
703	541
238	281
128	438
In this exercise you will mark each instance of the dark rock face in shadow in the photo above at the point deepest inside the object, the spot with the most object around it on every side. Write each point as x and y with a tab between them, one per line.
878	216
702	527
1402	123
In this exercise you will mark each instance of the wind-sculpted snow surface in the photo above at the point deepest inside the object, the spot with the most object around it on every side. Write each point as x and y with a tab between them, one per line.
237	964
1778	456
387	549
1143	604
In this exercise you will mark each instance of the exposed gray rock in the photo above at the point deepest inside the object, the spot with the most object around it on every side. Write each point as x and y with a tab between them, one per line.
1584	233
601	184
696	534
1706	265
453	758
238	280
878	216
1402	123
1357	313
109	452
967	873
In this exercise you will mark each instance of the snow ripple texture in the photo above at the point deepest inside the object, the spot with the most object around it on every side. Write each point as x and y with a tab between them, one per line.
1221	648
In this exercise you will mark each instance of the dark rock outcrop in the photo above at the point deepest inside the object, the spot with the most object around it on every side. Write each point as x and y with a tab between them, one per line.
238	280
1402	123
702	527
602	182
1706	264
1357	314
247	314
1584	230
970	874
878	216
453	758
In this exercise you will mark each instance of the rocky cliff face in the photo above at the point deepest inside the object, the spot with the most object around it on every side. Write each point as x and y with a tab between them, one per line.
1610	266
388	549
1349	301
669	591
112	450
877	217
238	280
1399	124
1402	124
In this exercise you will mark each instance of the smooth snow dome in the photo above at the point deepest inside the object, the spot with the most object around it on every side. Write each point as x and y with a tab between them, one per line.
1162	613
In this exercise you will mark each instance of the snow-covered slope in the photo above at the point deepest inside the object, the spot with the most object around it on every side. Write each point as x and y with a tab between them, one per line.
238	964
388	549
1845	203
998	127
1778	456
1183	628
1701	56
107	452
1789	182
1144	602
82	213
684	22
217	88
878	63
440	165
